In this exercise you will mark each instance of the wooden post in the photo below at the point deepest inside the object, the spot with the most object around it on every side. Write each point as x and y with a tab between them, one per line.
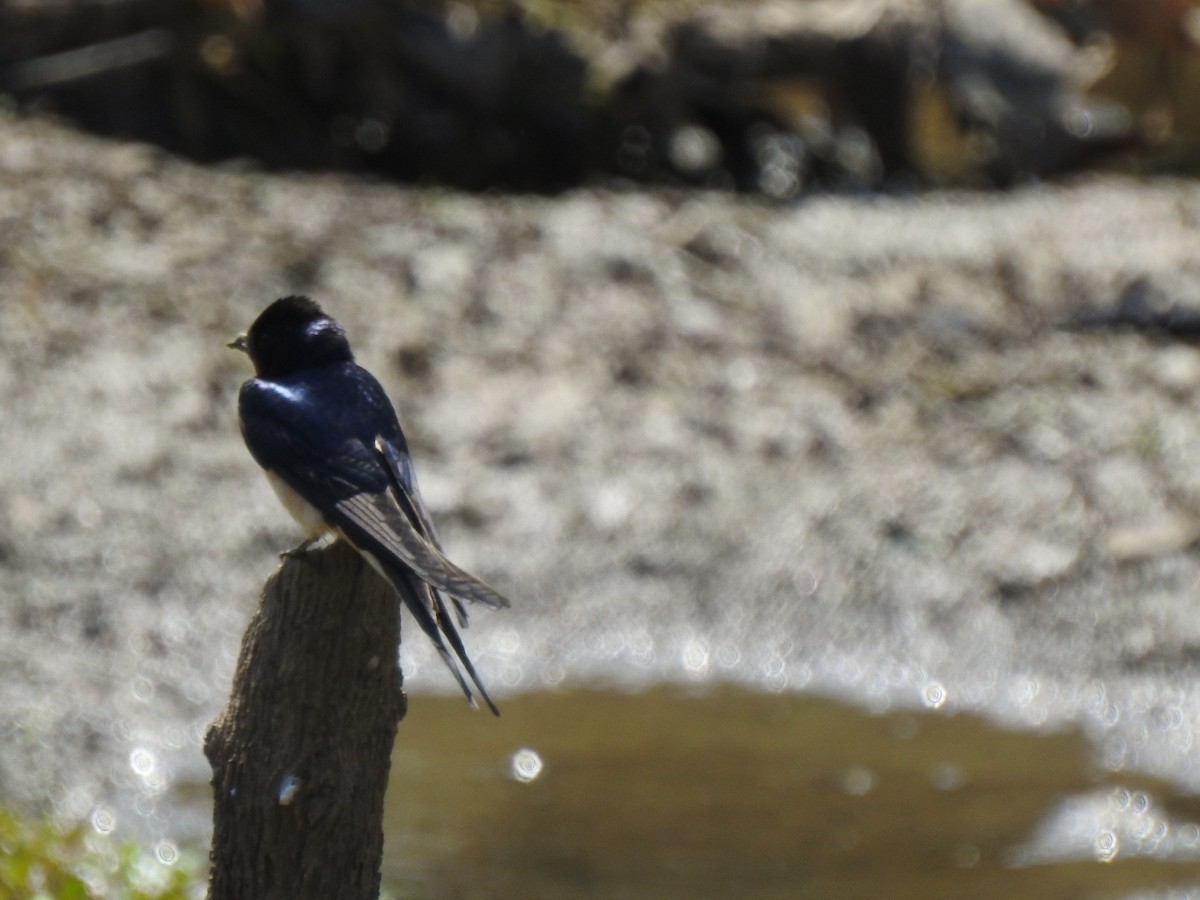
301	753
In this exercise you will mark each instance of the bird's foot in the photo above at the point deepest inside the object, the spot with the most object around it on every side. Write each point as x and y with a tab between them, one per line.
318	543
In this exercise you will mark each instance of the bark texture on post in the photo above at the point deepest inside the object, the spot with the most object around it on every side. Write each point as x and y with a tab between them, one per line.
300	755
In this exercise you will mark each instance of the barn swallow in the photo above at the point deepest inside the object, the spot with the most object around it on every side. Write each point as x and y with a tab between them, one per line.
327	436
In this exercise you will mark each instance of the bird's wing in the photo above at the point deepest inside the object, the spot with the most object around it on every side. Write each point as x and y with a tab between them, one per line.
400	468
378	521
404	483
367	493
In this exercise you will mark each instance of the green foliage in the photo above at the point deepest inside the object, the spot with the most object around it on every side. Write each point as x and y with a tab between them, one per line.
51	860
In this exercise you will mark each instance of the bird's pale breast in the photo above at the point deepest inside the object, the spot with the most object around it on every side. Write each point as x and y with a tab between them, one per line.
306	515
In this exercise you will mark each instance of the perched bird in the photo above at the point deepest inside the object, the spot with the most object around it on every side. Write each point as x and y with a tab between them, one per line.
327	435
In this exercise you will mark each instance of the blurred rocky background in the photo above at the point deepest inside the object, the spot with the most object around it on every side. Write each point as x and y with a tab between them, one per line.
778	98
817	347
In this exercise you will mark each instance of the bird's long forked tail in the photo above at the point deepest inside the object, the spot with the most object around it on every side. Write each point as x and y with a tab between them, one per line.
430	611
461	651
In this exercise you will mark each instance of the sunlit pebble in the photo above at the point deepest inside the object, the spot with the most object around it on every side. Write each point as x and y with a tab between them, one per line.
1178	370
512	676
728	655
195	690
526	765
173	736
1161	830
772	666
933	695
694	149
805	582
1143	828
695	657
1047	442
166	852
1172	718
154	783
799	676
779	182
87	513
175	629
112	560
197	730
640	644
409	663
609	645
507	641
1115	753
848	671
142	761
104	820
553	674
644	660
1106	847
138	643
897	674
143	689
1181	740
741	374
1120	799
122	778
887	679
611	506
1023	690
857	781
74	804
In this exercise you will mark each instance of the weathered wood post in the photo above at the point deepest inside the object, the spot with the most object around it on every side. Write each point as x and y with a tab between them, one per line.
301	753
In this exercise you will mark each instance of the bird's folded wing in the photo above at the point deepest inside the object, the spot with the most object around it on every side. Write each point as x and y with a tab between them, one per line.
379	518
399	466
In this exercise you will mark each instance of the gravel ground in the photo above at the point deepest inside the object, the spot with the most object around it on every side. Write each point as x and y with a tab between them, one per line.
844	445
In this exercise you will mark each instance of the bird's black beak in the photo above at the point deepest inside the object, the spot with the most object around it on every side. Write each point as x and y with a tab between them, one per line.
239	343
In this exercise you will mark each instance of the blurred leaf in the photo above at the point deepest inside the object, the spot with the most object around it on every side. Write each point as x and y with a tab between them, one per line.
66	861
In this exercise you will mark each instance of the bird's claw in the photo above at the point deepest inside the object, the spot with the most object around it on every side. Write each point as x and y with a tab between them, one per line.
317	543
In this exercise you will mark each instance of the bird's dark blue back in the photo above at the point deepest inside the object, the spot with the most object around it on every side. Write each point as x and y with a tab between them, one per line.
317	429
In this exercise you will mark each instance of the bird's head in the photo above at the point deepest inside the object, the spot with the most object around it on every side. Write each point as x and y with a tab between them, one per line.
292	333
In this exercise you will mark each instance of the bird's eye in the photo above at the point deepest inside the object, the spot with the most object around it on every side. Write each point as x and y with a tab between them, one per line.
317	329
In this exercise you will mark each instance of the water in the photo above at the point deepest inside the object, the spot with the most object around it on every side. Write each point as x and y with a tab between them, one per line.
732	793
